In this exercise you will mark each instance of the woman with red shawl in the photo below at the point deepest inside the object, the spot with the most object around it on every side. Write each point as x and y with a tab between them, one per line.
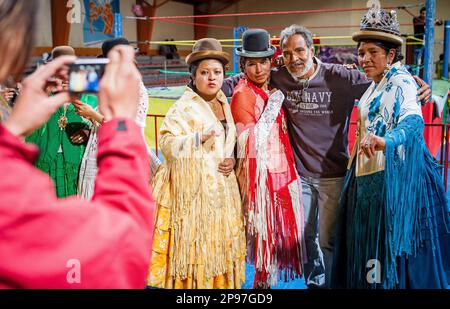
266	170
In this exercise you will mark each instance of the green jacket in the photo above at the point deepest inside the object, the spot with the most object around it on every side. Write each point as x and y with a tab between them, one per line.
50	136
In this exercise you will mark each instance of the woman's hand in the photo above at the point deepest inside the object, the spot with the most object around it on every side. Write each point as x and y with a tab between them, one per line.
83	110
87	111
227	166
371	143
206	137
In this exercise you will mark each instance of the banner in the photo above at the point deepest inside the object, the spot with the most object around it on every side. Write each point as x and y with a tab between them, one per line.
98	24
338	54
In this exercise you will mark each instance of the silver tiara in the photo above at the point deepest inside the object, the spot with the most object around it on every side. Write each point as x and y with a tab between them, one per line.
379	20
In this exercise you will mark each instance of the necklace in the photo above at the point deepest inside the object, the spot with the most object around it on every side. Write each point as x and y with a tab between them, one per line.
62	121
214	107
305	86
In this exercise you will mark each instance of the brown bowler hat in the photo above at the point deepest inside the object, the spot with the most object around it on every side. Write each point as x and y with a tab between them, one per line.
207	48
62	50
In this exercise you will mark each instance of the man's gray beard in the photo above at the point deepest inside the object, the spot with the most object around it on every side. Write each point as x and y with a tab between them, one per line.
299	76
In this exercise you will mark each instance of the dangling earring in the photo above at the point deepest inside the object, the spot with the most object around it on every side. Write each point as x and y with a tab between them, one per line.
387	68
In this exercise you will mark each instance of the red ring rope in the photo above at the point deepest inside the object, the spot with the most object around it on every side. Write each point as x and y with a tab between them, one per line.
259	13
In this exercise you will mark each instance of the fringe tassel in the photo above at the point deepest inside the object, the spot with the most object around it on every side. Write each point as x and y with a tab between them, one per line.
272	223
202	210
391	209
406	193
411	181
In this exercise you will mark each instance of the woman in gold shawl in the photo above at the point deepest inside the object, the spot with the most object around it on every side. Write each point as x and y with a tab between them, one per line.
199	239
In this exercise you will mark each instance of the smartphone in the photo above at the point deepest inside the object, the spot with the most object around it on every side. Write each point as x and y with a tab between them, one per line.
85	75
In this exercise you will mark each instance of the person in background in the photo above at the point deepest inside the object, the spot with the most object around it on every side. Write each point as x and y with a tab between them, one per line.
61	243
9	94
174	50
164	50
88	168
5	108
62	139
440	67
277	54
419	32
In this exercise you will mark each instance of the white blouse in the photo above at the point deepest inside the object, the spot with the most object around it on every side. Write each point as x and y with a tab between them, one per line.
382	107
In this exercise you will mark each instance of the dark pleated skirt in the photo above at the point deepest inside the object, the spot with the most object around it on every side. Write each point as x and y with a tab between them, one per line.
360	240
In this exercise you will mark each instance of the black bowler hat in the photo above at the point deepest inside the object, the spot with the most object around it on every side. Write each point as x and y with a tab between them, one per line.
109	44
255	44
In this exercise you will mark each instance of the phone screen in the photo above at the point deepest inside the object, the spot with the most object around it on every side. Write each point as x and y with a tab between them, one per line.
85	75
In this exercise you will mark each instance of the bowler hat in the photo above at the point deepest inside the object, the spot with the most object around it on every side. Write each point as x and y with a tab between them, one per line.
62	50
207	48
255	44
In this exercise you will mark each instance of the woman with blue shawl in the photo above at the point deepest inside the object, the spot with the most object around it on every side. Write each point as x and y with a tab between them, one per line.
393	229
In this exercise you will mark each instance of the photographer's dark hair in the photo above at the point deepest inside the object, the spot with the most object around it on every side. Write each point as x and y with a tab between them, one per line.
387	46
17	28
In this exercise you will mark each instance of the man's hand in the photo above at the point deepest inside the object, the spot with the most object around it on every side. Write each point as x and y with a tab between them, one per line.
424	92
33	106
350	66
80	137
278	61
119	86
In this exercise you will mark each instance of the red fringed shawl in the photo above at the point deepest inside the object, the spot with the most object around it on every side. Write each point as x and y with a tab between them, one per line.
269	185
